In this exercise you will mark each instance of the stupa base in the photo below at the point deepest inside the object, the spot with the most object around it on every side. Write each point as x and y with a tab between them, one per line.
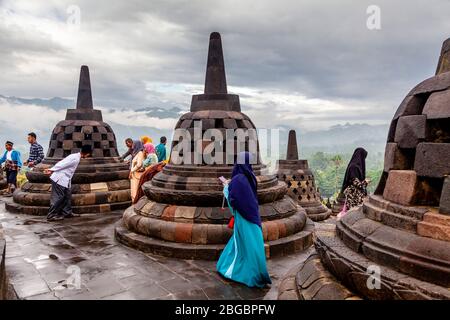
190	232
14	207
317	213
352	269
284	246
381	250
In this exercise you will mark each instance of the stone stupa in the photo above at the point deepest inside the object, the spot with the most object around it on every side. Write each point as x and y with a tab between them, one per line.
397	245
300	181
181	214
100	183
3	183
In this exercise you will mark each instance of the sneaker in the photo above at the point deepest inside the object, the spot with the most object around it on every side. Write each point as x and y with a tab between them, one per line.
71	215
56	218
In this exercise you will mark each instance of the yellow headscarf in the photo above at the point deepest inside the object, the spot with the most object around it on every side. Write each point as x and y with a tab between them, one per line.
146	139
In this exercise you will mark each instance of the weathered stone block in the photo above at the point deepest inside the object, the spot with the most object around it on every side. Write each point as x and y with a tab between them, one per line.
394	158
214	233
183	232
208	124
401	186
67	144
58	153
410	131
272	230
434	231
97	153
78	136
411	105
97	136
230	123
87	129
168	231
69	129
432	159
438	105
444	203
199	233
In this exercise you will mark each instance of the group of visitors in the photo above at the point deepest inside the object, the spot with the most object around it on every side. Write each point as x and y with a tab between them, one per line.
143	156
243	258
13	162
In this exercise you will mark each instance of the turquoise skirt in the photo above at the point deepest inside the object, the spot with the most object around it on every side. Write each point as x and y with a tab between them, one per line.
243	258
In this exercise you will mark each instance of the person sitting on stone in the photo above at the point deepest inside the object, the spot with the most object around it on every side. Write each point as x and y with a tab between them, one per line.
61	178
13	163
36	151
161	149
355	183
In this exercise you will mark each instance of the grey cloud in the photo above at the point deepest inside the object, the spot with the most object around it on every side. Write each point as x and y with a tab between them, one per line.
321	49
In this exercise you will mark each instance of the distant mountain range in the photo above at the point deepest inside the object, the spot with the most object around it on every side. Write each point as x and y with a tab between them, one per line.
55	103
336	139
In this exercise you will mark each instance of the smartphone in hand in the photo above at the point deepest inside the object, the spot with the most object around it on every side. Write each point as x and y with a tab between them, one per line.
223	180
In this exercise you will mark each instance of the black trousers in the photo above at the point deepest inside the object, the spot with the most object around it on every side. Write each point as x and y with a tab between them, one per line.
60	201
11	177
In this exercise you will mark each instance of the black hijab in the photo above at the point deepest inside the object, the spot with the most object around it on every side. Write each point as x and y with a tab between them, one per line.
356	168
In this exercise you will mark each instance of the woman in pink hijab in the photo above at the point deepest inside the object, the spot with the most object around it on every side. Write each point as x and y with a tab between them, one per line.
150	155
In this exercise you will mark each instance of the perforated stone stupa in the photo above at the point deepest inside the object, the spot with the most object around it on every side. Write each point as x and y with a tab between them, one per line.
404	228
100	183
300	181
181	214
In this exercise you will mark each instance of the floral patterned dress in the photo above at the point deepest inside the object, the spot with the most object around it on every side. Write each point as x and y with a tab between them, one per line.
355	193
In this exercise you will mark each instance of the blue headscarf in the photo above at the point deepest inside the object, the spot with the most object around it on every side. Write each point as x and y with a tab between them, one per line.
242	189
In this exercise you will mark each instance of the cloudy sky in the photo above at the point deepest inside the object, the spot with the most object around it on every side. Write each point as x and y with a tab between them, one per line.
305	64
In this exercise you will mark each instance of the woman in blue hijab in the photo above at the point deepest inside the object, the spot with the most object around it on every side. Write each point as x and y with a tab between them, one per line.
243	259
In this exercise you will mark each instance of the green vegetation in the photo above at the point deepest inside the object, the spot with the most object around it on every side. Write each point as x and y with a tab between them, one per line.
329	170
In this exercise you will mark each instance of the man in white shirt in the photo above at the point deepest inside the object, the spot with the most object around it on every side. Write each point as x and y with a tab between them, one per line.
61	176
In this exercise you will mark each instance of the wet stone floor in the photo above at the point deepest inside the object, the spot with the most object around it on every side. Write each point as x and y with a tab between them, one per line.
44	259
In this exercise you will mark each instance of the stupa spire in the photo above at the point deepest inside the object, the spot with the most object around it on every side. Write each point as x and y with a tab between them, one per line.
215	81
84	99
444	59
292	150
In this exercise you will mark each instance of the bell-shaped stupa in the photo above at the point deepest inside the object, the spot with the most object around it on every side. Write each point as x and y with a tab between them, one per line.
100	183
300	181
397	245
181	214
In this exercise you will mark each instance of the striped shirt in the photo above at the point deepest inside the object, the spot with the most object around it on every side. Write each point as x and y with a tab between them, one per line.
36	153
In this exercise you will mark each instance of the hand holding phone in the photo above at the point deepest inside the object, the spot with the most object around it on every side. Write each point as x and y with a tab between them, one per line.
223	180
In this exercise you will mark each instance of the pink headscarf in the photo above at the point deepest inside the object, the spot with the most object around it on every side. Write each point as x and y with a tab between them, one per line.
149	148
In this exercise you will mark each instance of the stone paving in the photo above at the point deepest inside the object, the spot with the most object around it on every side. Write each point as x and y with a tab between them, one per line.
42	256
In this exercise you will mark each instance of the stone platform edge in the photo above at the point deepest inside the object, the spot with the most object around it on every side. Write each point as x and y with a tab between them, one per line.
6	290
